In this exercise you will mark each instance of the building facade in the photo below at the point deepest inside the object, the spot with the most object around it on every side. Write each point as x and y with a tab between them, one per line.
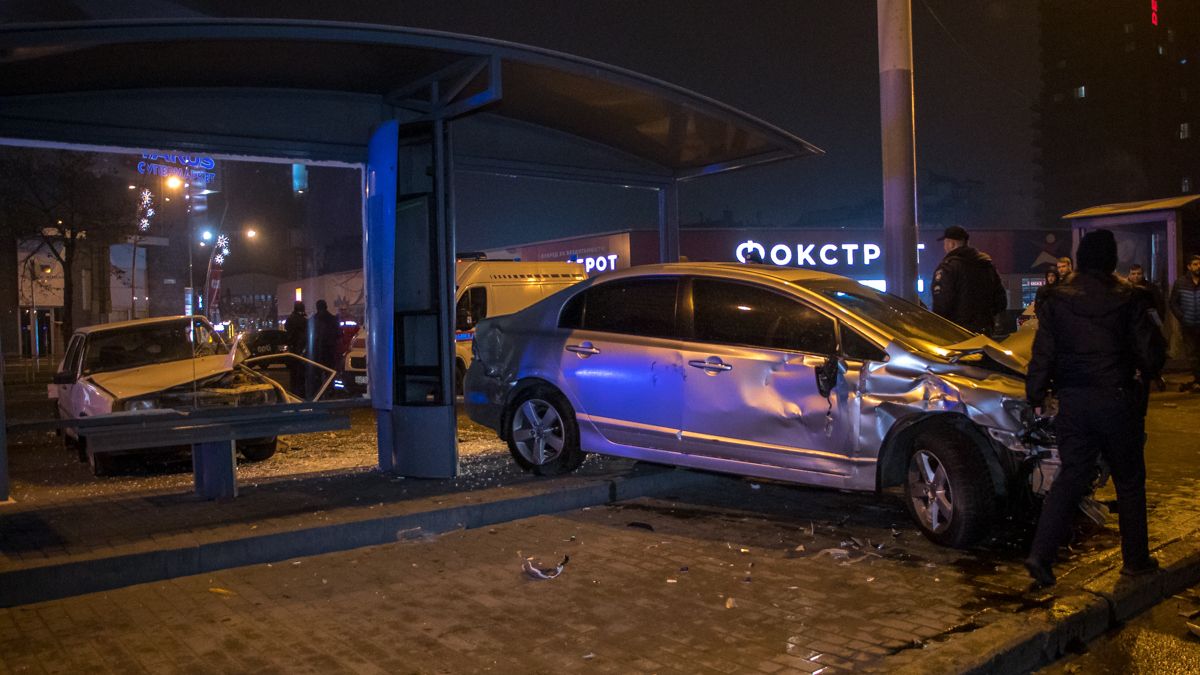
1119	112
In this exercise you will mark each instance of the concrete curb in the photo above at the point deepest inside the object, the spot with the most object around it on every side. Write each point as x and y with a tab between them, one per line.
54	581
1025	642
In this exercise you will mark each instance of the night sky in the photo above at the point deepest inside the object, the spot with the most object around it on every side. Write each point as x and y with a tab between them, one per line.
808	67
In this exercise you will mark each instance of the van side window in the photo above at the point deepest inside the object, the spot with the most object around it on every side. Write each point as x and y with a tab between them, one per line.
471	308
643	307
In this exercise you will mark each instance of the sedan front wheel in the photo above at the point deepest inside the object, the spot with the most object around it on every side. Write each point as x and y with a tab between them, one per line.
948	490
543	434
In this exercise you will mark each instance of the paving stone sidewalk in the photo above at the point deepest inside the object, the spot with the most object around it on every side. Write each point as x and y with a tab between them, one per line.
725	578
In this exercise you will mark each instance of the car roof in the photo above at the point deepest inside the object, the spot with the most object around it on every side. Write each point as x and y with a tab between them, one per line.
134	322
728	270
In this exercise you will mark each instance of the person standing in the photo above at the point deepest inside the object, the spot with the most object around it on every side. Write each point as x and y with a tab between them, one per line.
1095	348
1185	305
1137	277
1064	267
295	331
323	336
966	287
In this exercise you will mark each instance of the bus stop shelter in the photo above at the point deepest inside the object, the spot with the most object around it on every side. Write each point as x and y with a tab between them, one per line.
1151	233
387	99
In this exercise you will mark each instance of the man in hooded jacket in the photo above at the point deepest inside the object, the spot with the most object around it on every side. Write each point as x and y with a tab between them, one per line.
966	287
1096	348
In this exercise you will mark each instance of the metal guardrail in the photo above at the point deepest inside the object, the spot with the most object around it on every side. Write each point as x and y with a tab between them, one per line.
212	433
155	418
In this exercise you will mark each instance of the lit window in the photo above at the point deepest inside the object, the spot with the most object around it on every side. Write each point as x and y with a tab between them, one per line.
1161	51
1186	184
1128	28
1080	92
1185	131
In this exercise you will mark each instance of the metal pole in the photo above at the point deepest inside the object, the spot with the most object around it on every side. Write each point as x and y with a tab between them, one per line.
3	433
35	347
899	154
668	222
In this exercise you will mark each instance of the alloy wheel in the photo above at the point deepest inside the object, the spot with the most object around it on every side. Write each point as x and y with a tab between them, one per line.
537	432
929	490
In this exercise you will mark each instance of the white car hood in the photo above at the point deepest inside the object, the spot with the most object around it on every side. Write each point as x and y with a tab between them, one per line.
150	379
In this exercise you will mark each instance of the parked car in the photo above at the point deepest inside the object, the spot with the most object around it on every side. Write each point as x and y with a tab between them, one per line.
771	372
267	341
353	377
175	362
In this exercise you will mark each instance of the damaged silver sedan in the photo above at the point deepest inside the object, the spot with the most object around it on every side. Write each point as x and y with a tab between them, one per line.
777	373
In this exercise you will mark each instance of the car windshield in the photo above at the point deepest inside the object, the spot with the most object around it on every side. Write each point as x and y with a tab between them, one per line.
912	324
149	344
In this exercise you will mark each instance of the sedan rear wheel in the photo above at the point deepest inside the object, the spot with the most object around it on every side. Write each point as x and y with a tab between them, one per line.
948	490
543	435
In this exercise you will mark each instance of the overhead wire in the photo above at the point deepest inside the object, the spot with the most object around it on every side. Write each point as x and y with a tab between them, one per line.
977	62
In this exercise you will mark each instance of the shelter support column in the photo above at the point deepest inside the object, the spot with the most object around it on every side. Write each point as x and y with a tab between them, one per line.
410	296
668	222
899	154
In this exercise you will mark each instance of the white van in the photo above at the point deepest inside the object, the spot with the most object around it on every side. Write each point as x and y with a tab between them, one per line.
483	288
487	288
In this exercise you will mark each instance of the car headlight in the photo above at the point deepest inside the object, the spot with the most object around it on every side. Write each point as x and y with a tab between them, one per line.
141	404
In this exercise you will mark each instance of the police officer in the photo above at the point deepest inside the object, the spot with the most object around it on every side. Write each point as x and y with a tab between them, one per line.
1095	347
966	287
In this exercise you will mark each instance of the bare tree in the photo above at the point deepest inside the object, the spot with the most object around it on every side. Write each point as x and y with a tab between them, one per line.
69	201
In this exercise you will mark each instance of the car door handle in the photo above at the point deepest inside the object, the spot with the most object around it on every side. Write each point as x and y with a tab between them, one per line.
711	364
584	350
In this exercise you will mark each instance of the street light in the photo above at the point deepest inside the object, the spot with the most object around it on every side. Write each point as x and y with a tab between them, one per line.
216	259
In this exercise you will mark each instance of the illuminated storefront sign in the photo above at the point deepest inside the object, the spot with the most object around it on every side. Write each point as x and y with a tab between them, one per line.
811	255
599	263
1154	12
192	168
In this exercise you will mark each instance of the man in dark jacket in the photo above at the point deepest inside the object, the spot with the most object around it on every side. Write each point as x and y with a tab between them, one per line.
1137	277
1185	305
1096	348
295	331
323	336
966	287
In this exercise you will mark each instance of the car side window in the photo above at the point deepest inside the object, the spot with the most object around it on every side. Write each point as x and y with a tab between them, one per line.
74	353
631	306
471	308
855	346
734	313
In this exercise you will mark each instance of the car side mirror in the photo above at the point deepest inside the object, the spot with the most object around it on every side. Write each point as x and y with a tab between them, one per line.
827	374
64	377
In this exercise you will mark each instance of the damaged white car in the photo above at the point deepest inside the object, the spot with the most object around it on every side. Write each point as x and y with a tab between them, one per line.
177	363
772	372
